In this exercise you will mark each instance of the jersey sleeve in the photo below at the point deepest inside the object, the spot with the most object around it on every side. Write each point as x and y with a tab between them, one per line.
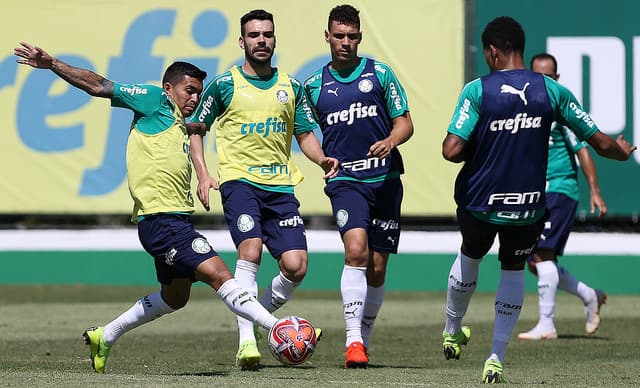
394	92
304	121
215	98
140	98
568	110
467	112
572	140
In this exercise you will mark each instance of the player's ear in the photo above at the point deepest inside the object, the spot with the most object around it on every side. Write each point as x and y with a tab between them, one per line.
241	42
326	36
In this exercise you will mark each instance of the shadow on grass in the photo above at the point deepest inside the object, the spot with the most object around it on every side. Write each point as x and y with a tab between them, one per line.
582	337
201	374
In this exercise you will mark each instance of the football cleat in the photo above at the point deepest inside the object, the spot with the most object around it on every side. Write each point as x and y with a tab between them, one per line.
248	356
356	356
94	337
593	312
318	333
451	342
492	373
539	333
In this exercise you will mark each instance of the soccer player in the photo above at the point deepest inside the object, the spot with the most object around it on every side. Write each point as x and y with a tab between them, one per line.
258	110
500	130
363	113
562	202
159	176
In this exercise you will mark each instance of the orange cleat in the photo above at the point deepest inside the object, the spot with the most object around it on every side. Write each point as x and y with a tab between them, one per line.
356	356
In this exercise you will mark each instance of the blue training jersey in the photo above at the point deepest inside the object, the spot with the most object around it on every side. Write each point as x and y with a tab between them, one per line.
353	115
505	118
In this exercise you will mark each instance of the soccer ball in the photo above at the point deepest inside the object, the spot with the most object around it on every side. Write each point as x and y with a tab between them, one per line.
292	340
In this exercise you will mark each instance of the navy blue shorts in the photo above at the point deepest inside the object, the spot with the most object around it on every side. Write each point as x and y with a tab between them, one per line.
176	247
516	241
562	213
375	207
274	217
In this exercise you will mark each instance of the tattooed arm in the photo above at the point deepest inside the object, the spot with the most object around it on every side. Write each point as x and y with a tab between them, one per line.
92	83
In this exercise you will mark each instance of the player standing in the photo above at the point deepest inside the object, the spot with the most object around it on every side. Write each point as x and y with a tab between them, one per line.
562	196
159	176
500	129
259	109
363	113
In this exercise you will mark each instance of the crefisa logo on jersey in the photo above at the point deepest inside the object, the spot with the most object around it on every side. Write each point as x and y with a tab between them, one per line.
282	96
245	223
365	85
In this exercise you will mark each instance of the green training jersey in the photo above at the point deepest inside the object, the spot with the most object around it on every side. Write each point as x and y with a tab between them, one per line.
562	170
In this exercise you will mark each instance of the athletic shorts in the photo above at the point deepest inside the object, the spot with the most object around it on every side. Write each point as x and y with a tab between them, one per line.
274	217
175	245
374	207
562	212
516	242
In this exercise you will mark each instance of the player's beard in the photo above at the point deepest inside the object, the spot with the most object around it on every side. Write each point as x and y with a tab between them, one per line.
252	59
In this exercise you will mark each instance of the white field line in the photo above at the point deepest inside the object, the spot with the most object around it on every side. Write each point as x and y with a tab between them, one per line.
318	240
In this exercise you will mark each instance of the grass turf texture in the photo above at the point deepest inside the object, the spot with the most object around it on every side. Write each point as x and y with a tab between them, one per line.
41	326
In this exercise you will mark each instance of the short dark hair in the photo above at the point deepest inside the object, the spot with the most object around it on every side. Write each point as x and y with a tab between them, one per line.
505	33
344	14
177	70
542	56
256	14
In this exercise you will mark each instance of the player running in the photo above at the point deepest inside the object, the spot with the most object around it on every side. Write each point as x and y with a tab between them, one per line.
259	110
363	113
562	203
500	129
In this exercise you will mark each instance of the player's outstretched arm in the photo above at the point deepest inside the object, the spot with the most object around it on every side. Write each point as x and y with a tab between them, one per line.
589	170
92	83
618	149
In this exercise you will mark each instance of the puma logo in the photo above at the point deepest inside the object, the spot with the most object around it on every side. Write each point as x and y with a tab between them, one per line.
511	90
335	92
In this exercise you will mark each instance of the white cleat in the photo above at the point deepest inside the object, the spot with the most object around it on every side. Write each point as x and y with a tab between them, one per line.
593	312
539	333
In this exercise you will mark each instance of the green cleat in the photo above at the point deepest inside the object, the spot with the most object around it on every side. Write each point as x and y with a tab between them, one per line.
492	373
451	342
94	337
248	356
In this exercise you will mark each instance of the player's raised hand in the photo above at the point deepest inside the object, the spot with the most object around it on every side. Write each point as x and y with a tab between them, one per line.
33	56
331	166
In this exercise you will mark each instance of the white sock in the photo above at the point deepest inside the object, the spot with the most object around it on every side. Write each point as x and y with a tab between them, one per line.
278	293
146	309
569	283
246	272
547	288
509	299
463	280
353	287
375	296
242	303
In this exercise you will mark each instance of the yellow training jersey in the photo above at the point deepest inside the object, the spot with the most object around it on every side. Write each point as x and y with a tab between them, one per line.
159	167
254	133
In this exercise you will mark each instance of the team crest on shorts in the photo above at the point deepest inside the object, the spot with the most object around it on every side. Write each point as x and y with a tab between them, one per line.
245	223
200	245
282	96
342	216
365	85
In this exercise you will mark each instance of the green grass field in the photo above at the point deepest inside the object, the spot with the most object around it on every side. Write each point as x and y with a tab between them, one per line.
41	326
